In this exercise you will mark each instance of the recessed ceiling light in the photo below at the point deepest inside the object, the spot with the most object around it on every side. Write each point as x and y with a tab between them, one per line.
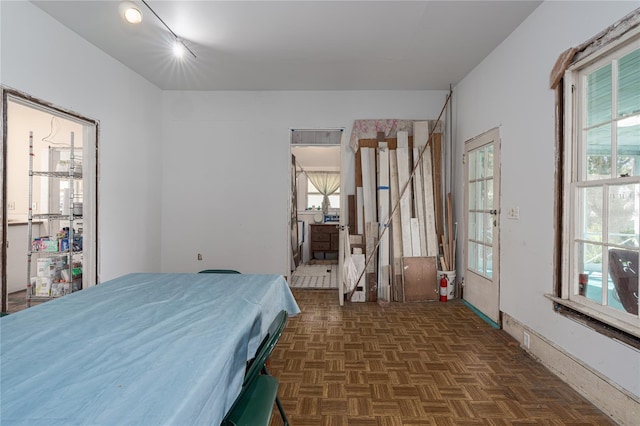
130	12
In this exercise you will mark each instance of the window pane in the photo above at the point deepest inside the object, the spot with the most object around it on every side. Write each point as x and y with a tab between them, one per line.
489	172
480	195
599	96
480	267
623	214
480	163
488	228
473	203
479	227
473	174
489	203
599	153
590	202
489	261
472	256
334	200
628	150
590	263
623	283
314	201
472	225
629	84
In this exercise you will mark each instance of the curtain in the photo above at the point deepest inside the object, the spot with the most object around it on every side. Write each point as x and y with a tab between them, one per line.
326	183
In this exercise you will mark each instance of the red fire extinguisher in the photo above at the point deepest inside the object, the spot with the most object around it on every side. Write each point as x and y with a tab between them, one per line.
443	288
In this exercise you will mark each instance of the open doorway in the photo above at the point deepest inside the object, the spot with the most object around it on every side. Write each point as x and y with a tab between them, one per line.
316	208
49	201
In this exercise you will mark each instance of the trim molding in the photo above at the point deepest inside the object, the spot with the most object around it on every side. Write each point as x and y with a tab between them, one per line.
616	402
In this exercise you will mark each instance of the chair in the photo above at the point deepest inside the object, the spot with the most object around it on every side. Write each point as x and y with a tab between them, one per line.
218	271
254	405
623	266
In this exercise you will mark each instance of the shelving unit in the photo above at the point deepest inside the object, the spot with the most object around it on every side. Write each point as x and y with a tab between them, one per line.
58	256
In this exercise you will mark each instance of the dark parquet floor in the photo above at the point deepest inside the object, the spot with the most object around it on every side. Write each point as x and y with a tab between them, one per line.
412	364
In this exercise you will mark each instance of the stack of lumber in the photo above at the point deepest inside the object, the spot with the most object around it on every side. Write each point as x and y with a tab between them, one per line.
399	214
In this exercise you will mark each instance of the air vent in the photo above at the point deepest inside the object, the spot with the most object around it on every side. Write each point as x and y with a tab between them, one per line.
316	137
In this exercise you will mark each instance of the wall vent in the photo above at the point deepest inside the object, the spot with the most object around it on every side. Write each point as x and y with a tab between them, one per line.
316	137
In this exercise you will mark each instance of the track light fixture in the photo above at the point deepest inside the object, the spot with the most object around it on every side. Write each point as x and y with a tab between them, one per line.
178	46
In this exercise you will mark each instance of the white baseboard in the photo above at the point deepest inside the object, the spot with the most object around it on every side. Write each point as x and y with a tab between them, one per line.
622	406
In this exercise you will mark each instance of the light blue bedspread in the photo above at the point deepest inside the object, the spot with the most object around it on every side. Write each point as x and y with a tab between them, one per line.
142	349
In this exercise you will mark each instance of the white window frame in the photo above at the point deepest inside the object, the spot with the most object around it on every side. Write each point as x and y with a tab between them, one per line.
574	114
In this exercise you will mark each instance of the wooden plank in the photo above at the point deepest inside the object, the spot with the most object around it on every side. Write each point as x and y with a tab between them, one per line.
402	153
360	210
396	229
392	143
415	237
420	279
419	201
351	209
436	161
371	238
422	192
429	213
383	215
452	258
367	185
359	294
358	171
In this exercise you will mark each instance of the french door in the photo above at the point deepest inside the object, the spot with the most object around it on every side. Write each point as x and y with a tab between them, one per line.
482	199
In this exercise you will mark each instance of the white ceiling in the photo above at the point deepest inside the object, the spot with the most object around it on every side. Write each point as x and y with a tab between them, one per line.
299	45
317	158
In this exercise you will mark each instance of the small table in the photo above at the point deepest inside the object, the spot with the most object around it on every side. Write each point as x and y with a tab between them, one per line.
142	349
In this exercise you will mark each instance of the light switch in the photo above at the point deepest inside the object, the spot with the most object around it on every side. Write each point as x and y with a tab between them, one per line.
513	213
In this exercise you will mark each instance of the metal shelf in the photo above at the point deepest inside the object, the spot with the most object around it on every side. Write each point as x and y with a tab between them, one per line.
62	175
69	255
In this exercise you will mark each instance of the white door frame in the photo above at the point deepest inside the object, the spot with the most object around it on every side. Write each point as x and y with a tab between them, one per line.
343	202
90	130
482	248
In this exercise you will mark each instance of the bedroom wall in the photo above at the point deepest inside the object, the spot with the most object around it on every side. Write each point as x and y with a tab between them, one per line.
510	90
46	60
226	168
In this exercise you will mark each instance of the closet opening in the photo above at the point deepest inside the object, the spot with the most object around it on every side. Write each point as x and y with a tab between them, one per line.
48	201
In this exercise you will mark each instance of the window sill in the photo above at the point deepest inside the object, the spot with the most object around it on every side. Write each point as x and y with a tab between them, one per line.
597	321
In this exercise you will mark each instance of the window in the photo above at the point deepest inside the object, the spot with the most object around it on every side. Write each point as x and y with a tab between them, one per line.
314	198
601	189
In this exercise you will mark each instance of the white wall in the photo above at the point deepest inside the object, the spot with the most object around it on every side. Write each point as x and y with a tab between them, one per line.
226	168
510	90
41	57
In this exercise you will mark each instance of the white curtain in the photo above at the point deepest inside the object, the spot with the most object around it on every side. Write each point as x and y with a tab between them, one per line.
326	183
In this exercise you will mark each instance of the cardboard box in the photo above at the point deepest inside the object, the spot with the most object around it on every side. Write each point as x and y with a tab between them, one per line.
44	245
49	267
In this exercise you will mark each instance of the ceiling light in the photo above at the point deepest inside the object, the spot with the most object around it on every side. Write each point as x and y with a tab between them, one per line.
178	46
130	12
178	49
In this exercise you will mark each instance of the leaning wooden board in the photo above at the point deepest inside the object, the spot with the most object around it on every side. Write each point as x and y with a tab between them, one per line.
420	279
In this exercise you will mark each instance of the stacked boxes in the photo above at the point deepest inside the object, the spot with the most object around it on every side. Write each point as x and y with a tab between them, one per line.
48	276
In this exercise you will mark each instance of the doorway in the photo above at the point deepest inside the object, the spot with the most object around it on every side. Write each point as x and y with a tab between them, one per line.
482	241
36	205
316	208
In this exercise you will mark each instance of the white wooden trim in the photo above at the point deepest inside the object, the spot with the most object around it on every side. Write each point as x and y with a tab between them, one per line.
622	406
383	215
405	198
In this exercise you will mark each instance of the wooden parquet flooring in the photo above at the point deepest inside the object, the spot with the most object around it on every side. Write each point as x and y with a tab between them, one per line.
412	364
